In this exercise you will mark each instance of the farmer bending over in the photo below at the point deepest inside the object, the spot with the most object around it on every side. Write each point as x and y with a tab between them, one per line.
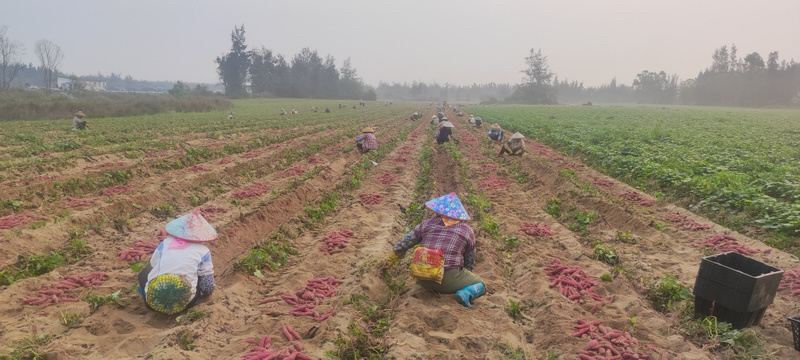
77	122
367	141
514	146
180	270
495	132
445	132
446	253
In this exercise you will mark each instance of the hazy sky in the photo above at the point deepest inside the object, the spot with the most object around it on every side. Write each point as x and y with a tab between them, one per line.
456	41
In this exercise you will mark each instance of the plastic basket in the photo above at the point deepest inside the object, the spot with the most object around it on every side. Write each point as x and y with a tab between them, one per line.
795	321
737	282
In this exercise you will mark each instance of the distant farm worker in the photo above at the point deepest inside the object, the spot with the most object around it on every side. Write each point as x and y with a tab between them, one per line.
283	111
78	123
445	257
180	270
440	115
415	116
495	132
445	132
294	111
434	120
230	116
327	110
478	121
367	140
514	146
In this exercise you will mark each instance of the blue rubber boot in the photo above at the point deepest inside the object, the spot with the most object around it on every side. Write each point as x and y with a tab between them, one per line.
466	295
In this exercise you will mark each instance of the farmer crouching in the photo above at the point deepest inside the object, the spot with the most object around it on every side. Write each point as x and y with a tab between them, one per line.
445	132
446	253
180	270
514	146
495	132
78	123
367	140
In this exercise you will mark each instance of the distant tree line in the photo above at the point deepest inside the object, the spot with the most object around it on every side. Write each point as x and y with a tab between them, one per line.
748	81
420	91
730	80
306	75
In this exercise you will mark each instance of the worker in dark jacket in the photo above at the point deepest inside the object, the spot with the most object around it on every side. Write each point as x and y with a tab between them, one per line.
445	132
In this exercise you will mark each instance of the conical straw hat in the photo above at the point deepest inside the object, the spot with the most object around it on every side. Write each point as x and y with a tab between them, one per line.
448	205
191	227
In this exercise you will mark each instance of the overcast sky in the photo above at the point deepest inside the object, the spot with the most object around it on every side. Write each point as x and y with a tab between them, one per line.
455	41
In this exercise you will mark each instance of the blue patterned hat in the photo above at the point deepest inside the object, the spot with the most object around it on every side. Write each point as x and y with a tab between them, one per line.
448	205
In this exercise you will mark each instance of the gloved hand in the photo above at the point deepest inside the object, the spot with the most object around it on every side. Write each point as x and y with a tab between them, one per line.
392	259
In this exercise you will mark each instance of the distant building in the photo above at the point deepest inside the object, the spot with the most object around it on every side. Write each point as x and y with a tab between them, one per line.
66	84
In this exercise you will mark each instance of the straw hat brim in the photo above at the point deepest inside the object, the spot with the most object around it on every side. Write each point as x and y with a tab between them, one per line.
192	227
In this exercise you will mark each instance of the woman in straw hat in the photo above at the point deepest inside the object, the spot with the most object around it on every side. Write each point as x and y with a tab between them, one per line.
445	132
180	270
445	233
367	140
514	146
495	132
77	122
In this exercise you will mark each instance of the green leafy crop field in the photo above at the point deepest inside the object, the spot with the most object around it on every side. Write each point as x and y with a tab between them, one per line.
739	166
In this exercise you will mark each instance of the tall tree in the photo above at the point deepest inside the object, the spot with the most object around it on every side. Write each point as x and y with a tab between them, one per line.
721	60
50	56
772	63
734	62
656	88
261	70
232	67
350	85
9	58
753	62
536	86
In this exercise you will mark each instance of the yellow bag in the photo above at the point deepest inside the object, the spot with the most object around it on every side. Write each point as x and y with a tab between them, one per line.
428	264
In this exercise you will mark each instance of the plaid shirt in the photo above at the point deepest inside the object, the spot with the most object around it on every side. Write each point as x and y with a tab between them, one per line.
457	241
370	142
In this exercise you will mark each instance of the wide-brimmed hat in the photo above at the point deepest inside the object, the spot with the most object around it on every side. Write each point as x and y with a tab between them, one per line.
80	114
448	205
446	123
168	293
367	130
191	226
495	126
517	135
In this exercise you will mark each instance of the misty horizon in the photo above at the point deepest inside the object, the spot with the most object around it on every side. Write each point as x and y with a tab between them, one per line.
444	42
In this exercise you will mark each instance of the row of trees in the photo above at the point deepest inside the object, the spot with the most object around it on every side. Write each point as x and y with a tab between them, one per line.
420	91
748	81
48	53
306	75
730	80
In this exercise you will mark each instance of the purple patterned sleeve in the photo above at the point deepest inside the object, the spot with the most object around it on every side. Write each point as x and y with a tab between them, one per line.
205	285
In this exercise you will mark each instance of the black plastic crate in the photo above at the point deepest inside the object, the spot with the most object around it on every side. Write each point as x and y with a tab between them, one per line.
737	319
737	282
795	321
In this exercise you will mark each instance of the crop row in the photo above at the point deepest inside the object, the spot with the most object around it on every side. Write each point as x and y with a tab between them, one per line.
709	159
